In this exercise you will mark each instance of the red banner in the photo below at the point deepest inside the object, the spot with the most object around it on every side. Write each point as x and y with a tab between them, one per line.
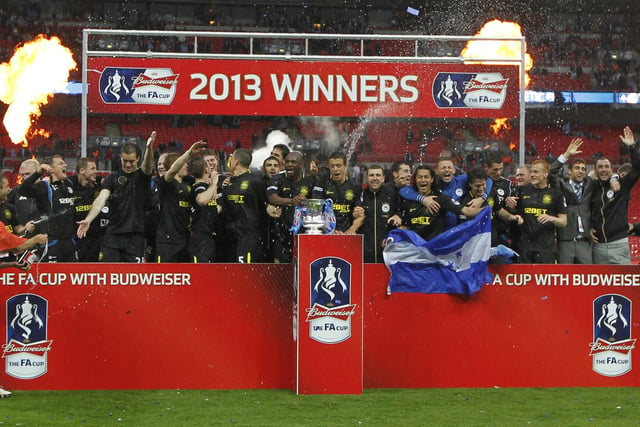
301	88
220	326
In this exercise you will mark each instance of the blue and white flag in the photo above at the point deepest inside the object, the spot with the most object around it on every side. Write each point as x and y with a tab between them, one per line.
454	262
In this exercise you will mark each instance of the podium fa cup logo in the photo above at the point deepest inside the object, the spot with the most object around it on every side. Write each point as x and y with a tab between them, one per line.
330	311
25	352
330	287
612	344
611	315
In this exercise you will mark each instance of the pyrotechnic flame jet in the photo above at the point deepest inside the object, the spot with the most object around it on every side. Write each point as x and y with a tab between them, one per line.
27	82
498	49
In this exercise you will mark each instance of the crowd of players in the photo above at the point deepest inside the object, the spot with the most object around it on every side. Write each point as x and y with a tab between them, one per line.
190	212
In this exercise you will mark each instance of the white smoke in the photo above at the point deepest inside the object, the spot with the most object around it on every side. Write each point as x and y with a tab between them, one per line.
275	137
339	136
330	131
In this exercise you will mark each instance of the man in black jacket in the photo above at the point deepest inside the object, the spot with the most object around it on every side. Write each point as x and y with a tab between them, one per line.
55	199
610	224
381	205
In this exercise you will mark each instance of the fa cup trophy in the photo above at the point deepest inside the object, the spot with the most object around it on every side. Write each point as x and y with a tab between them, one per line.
312	217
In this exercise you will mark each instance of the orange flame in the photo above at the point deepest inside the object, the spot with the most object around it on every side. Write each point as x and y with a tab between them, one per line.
499	125
28	80
498	49
41	132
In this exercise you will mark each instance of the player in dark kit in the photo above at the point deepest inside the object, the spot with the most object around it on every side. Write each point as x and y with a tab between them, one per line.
270	168
8	212
244	202
417	217
127	191
501	188
343	193
541	208
286	191
55	200
152	215
26	207
85	189
205	207
174	194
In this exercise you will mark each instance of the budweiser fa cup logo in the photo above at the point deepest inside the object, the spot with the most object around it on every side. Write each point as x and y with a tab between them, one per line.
155	86
612	342
25	351
470	90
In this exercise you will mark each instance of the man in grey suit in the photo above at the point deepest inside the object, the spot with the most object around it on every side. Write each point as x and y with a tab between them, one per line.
574	243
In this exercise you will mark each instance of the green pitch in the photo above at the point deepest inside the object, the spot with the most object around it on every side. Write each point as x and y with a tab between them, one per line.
376	407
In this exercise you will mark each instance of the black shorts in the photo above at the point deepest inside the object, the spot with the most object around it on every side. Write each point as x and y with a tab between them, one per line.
248	251
127	247
88	249
202	248
171	252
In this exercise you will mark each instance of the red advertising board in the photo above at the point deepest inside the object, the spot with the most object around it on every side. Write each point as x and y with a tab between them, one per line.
533	327
328	315
301	88
221	326
149	326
